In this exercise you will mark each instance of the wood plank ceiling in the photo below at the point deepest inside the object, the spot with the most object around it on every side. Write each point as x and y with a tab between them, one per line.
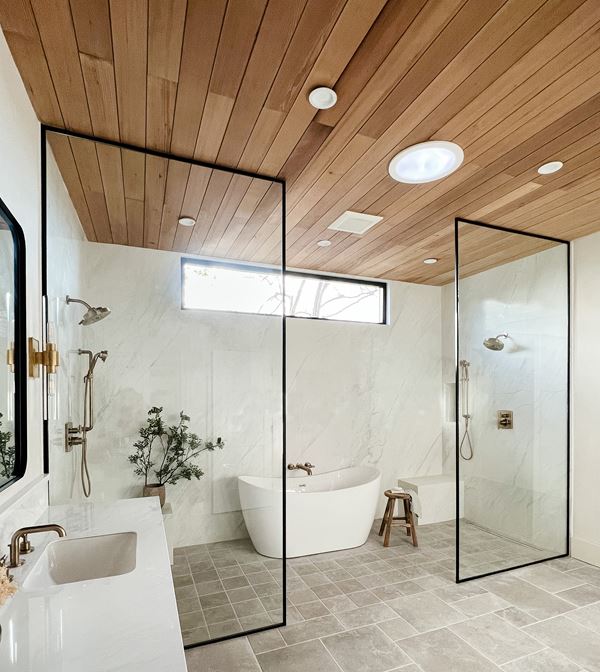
515	82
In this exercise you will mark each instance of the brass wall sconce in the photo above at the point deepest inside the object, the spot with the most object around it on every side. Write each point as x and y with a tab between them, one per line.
47	358
10	358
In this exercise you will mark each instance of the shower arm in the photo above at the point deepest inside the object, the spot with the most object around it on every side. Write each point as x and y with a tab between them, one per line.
83	303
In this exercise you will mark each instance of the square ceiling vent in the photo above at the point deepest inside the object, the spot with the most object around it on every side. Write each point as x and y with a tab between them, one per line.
354	222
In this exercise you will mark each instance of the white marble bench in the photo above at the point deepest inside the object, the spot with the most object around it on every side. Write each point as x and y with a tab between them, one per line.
437	495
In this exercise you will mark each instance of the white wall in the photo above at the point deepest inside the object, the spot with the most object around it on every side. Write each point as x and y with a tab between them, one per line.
357	394
65	241
20	190
369	394
585	541
516	482
223	370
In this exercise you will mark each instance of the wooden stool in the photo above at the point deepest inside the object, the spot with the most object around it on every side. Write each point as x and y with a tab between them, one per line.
389	518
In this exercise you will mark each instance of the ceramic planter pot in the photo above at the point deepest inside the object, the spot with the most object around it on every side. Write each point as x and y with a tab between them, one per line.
155	490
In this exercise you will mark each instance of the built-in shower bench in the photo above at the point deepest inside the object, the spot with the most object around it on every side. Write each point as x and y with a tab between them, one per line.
437	496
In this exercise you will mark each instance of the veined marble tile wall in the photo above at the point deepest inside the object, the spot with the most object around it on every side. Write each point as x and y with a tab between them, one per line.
223	370
515	484
357	394
24	508
369	394
65	276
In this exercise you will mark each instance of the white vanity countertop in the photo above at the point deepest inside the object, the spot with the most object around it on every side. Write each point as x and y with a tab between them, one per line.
126	623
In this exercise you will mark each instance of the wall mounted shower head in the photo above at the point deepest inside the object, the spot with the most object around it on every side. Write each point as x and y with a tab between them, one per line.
92	315
495	343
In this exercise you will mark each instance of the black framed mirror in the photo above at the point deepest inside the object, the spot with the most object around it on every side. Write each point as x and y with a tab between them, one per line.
13	366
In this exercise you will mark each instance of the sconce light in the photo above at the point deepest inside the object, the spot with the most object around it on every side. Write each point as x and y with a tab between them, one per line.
48	358
10	358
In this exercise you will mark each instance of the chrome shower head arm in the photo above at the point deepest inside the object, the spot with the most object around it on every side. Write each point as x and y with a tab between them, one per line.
83	303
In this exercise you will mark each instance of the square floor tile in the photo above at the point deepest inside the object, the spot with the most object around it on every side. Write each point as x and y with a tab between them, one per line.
527	597
372	613
312	609
443	651
543	661
496	639
573	640
365	650
235	654
266	641
315	627
582	595
425	611
304	657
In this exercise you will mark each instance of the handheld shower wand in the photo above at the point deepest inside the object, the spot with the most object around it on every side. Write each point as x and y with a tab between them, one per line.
465	447
75	436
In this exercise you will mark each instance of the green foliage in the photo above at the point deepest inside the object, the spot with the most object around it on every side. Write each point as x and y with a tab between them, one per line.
168	451
7	454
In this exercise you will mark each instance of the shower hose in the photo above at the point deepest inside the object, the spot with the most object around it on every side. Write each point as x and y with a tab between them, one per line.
465	447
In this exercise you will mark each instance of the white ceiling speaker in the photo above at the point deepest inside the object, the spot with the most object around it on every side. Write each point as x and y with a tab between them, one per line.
551	167
354	222
322	98
426	162
187	221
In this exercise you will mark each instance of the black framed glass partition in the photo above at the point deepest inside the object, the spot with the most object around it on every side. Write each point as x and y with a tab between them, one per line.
512	401
188	393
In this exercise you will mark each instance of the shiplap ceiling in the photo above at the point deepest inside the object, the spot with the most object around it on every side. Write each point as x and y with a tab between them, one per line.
515	82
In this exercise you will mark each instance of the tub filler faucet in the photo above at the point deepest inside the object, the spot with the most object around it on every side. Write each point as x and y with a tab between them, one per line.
307	467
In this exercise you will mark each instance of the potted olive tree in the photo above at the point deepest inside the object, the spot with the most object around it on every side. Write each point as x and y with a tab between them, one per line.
7	454
164	454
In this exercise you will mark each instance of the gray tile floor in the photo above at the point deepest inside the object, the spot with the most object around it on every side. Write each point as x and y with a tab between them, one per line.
374	609
224	588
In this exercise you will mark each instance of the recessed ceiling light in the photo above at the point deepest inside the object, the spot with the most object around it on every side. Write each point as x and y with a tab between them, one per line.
551	167
430	260
324	243
187	221
322	98
426	162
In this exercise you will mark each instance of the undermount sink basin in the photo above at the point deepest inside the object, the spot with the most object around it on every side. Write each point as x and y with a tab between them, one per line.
83	559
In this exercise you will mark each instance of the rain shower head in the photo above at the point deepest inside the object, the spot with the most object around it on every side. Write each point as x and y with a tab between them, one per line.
495	343
92	314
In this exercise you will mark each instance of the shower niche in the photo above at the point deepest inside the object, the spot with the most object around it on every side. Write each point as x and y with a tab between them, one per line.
162	389
512	438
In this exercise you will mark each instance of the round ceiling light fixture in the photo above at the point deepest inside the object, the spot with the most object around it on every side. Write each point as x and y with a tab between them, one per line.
551	167
324	243
430	260
187	221
322	98
426	162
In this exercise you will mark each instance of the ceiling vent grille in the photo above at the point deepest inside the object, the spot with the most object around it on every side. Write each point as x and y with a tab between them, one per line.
355	222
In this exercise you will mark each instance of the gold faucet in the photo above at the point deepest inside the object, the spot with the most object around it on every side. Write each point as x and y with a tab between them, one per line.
307	467
20	544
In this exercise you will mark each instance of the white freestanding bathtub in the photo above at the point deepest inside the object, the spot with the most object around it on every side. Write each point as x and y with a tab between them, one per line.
324	512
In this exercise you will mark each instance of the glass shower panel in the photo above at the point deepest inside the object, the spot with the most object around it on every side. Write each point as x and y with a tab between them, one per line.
512	401
188	383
